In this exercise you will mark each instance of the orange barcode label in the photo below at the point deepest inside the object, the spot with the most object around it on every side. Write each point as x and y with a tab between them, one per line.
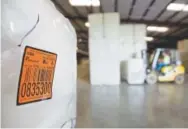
36	76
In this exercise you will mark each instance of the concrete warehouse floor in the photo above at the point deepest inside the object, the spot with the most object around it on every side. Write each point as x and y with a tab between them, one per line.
161	105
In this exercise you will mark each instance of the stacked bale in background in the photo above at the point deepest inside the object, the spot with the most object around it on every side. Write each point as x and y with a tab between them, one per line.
183	49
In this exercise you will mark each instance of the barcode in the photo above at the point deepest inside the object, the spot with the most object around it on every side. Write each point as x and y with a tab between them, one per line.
44	75
38	74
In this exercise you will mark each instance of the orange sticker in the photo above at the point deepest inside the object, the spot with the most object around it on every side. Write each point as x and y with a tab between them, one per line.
36	76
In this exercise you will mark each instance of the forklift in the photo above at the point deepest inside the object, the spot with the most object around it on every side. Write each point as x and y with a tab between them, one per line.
173	72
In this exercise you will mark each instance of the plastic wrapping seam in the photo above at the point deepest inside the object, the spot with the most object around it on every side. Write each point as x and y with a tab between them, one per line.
38	19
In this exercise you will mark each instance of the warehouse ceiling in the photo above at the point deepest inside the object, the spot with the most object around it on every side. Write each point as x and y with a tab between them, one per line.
150	12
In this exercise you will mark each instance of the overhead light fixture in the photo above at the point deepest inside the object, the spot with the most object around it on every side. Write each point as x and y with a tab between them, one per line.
185	8
84	2
95	3
87	24
80	40
162	29
157	28
176	7
149	39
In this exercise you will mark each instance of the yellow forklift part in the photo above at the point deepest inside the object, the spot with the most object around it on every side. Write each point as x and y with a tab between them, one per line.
170	73
180	69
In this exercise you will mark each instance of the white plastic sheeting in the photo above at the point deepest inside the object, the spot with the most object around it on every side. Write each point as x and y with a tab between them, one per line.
38	24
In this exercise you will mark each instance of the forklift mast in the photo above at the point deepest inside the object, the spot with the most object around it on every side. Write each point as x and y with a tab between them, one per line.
156	57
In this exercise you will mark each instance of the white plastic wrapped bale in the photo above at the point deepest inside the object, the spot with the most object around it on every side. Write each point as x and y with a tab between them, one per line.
126	48
131	41
96	29
135	71
38	63
139	38
111	25
126	41
139	32
104	62
104	25
104	49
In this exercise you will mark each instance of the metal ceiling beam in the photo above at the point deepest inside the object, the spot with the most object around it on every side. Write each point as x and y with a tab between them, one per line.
158	23
174	31
116	6
183	18
64	12
91	9
178	25
147	10
87	10
174	15
180	22
156	37
180	31
163	10
172	38
76	11
131	9
60	8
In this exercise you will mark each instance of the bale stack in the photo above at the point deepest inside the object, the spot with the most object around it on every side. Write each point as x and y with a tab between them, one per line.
183	49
